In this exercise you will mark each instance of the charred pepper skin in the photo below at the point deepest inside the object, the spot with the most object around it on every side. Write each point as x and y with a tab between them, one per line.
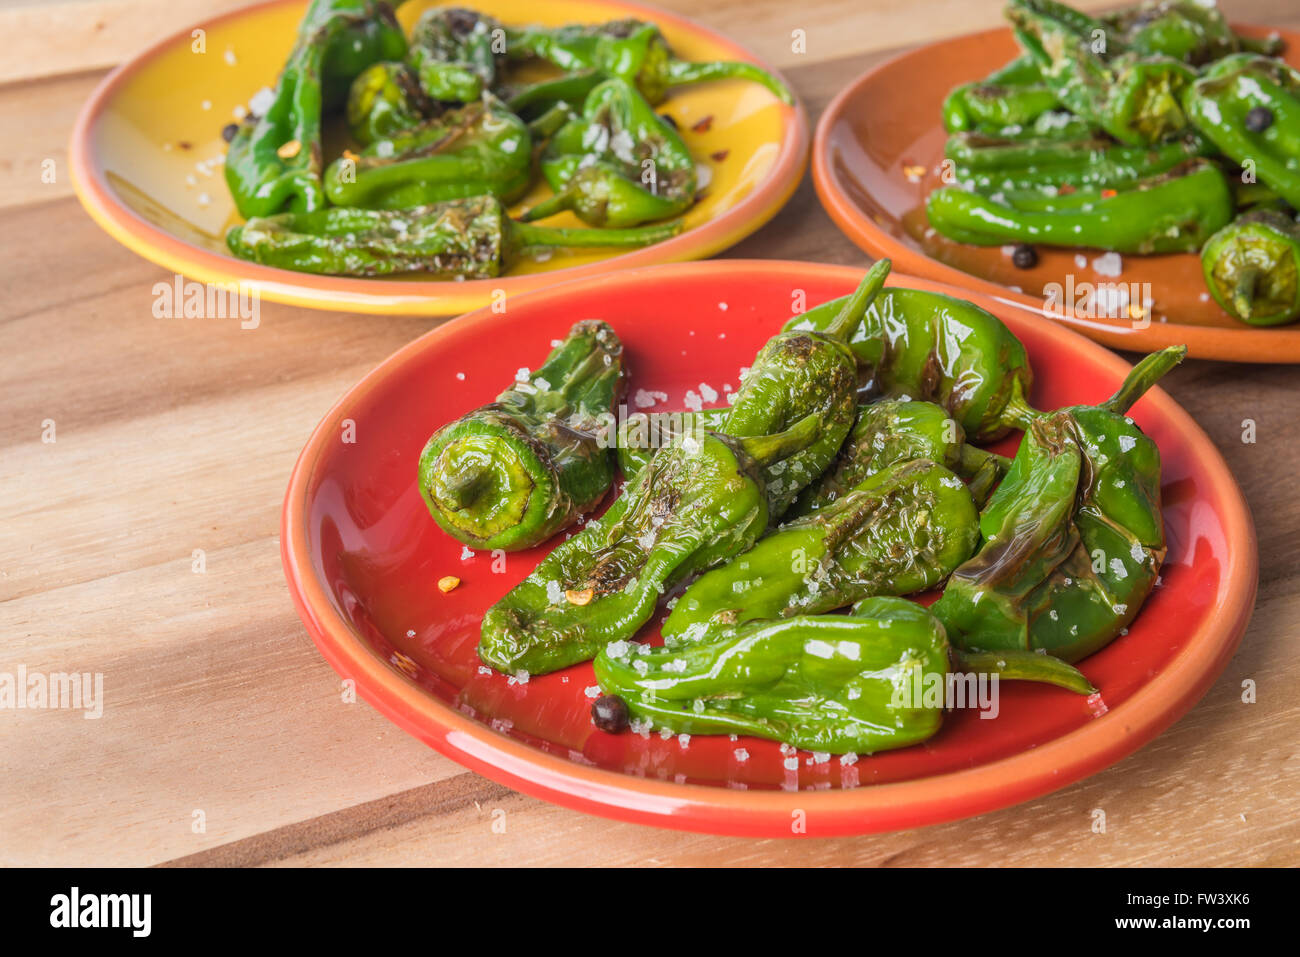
598	163
469	238
1220	101
633	50
273	163
835	683
900	531
641	433
906	346
1183	29
480	149
511	474
1073	538
384	99
695	505
1252	268
1175	211
456	53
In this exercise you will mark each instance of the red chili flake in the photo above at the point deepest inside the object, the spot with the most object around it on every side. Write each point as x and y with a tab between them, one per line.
1064	190
184	144
1108	193
704	125
720	155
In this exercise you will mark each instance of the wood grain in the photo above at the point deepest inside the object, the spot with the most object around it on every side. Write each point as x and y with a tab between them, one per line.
175	435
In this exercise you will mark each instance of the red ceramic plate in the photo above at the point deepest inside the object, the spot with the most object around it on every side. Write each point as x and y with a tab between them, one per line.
877	155
362	557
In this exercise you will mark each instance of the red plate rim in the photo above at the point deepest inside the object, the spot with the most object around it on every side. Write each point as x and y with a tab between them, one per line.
870	809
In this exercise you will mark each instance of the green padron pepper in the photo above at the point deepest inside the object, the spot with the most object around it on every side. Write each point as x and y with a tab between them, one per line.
1249	107
466	238
456	53
1252	267
386	98
1173	211
641	433
479	149
932	347
903	530
698	503
871	681
889	431
1134	98
633	50
1189	30
511	474
273	163
1073	537
618	164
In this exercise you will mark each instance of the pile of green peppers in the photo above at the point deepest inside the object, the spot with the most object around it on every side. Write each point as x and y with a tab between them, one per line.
442	137
1154	129
846	473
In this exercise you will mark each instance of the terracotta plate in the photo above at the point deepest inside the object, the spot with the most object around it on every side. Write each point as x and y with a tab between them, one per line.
147	148
877	155
362	557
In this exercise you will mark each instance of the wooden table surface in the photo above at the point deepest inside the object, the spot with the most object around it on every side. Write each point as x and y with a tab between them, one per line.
224	739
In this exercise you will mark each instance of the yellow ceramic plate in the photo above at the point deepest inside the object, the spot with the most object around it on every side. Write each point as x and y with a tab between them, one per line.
147	151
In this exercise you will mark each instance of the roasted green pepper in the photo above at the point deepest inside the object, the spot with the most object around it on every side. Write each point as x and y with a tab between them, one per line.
698	503
273	163
456	53
511	474
1249	107
642	432
631	49
1252	268
618	164
1134	98
932	347
480	149
902	530
1073	537
469	238
861	683
1188	30
1174	211
386	98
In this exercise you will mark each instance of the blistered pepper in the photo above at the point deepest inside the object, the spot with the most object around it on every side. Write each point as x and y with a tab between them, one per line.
932	347
633	50
468	238
1174	211
513	473
386	98
1252	267
861	683
1073	538
1188	30
455	53
900	531
698	503
617	164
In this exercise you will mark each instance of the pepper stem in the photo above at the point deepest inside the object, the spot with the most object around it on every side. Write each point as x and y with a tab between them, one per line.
550	121
526	236
982	471
682	71
768	449
846	322
1018	413
548	207
1243	291
1143	376
1022	666
461	490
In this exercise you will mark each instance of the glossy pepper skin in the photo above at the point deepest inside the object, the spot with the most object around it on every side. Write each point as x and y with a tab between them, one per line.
1252	267
630	49
799	372
456	53
1186	30
1134	98
833	683
902	530
1221	99
1174	211
273	163
641	433
697	503
619	163
889	431
1073	537
384	99
932	347
1000	164
511	474
470	238
480	149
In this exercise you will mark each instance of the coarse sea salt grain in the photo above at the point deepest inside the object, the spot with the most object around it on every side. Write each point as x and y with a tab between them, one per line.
741	754
1081	260
708	393
465	553
592	691
693	401
1108	264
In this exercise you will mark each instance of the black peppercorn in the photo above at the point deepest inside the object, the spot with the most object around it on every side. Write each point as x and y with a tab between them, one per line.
609	713
228	131
1024	256
1259	119
668	118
